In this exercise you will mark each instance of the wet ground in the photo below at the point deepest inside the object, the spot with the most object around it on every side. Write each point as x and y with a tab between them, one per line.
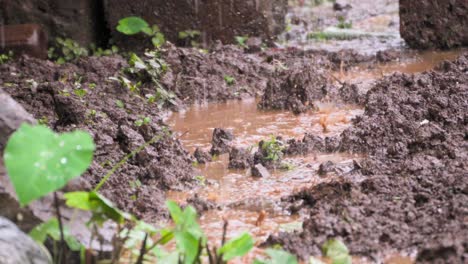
395	191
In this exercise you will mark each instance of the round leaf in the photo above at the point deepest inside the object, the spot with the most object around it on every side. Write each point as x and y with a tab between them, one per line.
132	25
39	161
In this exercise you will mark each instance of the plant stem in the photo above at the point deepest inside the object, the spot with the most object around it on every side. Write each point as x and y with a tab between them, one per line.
124	160
62	237
142	251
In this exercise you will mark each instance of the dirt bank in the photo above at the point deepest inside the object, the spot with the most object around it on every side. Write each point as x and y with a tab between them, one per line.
434	23
111	114
411	193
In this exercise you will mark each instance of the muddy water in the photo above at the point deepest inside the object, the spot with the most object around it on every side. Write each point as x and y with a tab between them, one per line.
252	204
251	125
411	63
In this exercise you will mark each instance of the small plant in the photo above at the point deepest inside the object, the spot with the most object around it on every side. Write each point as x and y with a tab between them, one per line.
201	179
99	52
343	24
66	50
119	104
229	80
43	121
273	149
190	37
132	87
6	57
241	41
336	251
143	121
81	93
134	25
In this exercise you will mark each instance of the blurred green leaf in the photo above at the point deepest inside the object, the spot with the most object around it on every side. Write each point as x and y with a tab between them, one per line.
39	161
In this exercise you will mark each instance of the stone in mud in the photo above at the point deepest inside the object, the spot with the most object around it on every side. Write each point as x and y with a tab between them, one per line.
200	204
295	89
310	143
221	141
339	6
17	247
434	23
215	19
240	158
326	167
254	44
259	171
202	156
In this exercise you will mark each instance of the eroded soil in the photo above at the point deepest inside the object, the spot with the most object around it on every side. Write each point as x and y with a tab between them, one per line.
413	195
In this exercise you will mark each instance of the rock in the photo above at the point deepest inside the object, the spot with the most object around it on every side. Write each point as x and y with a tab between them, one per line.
81	20
240	158
17	247
326	168
337	6
260	171
27	39
434	23
221	141
254	44
12	115
202	156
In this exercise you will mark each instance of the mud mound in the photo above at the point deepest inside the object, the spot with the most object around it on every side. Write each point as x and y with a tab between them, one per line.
414	192
120	121
224	73
296	89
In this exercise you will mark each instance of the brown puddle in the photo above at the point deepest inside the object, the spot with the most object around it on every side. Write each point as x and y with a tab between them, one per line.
251	125
248	203
423	61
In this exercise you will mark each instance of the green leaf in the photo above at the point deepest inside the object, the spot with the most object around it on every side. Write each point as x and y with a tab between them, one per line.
278	256
175	211
237	247
51	228
101	207
158	40
132	25
188	244
336	251
39	161
79	200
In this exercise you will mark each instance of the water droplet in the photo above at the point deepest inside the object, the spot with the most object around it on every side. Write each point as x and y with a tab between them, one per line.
79	147
37	164
61	144
63	160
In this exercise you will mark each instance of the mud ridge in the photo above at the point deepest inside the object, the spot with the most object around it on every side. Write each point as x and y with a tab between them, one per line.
414	192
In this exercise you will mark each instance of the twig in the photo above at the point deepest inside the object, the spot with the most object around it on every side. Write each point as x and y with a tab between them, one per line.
62	237
142	251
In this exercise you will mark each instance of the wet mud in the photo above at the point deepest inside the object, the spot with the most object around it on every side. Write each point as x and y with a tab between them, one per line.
412	195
